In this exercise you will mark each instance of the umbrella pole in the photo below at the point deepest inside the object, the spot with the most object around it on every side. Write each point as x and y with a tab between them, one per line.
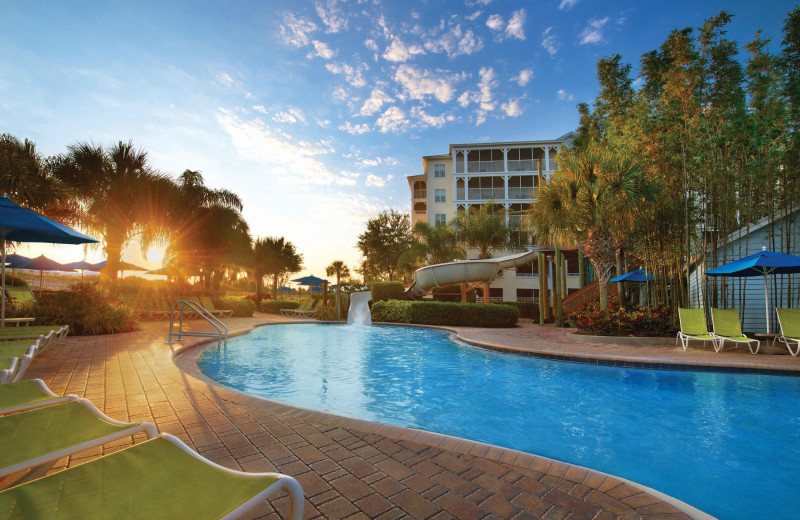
766	300
4	284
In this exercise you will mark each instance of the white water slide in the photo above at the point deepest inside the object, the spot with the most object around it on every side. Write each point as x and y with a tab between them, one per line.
466	271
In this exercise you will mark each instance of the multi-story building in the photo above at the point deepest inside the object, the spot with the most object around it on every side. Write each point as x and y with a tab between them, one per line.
506	173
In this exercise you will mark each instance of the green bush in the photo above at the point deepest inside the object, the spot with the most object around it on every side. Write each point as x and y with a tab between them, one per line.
241	307
327	313
382	291
87	308
445	313
526	309
640	321
275	306
393	311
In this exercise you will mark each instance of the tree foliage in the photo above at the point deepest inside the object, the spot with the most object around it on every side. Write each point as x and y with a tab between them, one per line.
483	227
275	257
385	240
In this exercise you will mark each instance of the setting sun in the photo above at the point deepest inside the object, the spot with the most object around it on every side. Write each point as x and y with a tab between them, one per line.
155	255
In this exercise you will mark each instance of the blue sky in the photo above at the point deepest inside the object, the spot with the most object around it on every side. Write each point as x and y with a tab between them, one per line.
314	112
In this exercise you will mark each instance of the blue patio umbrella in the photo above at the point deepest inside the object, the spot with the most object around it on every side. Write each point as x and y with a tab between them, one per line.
760	264
123	266
81	265
19	224
42	263
310	280
637	276
13	260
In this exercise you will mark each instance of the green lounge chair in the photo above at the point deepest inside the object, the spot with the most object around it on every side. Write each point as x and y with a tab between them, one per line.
27	395
157	479
47	336
693	326
22	293
13	368
305	305
208	305
34	440
789	320
728	328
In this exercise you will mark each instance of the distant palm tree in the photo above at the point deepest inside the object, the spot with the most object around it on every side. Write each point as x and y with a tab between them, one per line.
339	269
438	243
120	196
276	257
591	199
484	228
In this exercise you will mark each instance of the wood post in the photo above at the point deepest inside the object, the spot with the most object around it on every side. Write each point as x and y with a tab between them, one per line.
325	293
581	270
563	275
463	292
485	292
559	312
546	297
542	282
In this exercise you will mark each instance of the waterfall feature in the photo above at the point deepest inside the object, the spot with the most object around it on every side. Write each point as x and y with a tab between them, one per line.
359	309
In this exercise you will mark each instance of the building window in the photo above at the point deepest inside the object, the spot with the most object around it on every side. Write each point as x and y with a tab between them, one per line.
440	195
438	170
439	218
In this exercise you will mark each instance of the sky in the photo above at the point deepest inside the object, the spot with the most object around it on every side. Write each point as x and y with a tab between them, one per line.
315	112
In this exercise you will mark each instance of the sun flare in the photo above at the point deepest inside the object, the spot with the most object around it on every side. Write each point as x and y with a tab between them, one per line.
155	255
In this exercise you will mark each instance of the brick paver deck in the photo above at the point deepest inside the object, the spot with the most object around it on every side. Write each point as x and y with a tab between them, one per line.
348	469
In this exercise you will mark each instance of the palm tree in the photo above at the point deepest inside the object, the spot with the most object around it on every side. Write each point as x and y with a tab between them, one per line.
274	256
484	228
209	230
438	243
120	196
28	180
593	198
339	269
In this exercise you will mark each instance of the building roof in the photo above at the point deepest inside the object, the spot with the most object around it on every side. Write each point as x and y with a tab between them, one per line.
561	140
440	156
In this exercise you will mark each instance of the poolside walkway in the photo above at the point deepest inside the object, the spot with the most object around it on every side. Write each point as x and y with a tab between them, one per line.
348	469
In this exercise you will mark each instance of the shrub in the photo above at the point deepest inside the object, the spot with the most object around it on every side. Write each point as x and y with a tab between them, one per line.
87	308
393	311
640	321
526	309
275	306
241	307
382	291
445	313
326	313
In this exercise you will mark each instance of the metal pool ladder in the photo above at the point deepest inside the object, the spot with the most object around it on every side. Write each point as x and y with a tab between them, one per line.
221	329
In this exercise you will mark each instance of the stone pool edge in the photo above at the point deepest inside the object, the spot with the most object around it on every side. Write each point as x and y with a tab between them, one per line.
185	359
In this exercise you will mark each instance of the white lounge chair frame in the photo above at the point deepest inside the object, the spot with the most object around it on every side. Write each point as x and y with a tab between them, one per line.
787	341
40	404
722	339
40	465
284	483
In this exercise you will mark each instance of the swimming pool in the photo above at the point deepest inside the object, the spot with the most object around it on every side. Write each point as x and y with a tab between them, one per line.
728	444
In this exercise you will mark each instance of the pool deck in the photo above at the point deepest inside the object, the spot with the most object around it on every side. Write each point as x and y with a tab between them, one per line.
349	468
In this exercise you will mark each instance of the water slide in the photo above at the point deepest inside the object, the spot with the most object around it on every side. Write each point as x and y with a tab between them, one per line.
465	271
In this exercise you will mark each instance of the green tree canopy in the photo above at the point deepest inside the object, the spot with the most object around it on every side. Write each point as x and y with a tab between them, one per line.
338	269
385	240
484	228
275	257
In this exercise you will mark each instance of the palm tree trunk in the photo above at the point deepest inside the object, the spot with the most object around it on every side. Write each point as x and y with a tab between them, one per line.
115	238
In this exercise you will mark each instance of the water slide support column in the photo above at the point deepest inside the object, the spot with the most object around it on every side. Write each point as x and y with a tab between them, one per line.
463	292
559	312
485	292
563	275
581	270
541	288
545	299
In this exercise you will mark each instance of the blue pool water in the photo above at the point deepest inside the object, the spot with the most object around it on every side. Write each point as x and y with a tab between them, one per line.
728	444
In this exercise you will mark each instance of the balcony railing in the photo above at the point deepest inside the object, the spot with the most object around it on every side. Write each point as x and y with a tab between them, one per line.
420	211
420	194
523	165
523	193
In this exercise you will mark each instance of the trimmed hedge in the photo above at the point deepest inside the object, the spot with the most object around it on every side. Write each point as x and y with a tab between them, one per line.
382	291
241	307
275	306
445	313
526	309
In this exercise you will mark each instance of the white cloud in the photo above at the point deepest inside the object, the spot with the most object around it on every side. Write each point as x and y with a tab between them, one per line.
260	108
352	74
592	33
472	17
376	100
455	42
482	96
295	31
524	77
564	95
352	129
371	45
495	22
511	108
331	16
420	83
516	25
549	41
426	120
398	51
290	162
325	123
393	120
339	94
374	180
225	79
566	5
388	161
291	115
322	50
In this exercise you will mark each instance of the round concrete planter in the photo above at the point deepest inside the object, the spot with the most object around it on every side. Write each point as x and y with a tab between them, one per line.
620	340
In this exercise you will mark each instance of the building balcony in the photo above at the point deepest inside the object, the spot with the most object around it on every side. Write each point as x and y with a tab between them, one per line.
420	194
